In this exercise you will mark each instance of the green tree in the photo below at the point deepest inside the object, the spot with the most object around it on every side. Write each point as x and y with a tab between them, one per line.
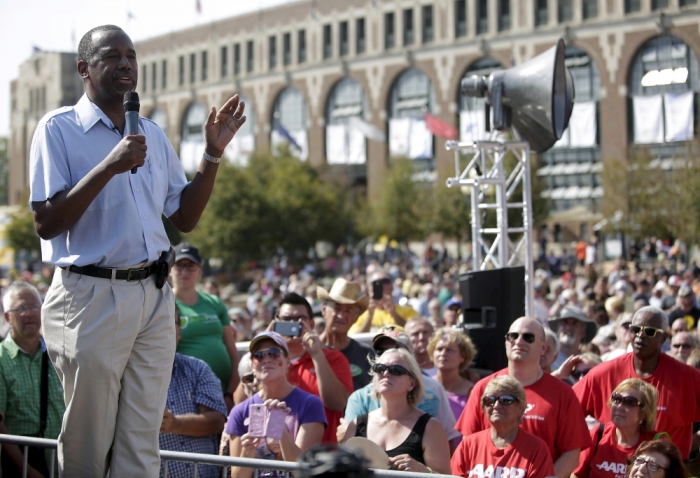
275	202
4	170
19	231
403	204
451	213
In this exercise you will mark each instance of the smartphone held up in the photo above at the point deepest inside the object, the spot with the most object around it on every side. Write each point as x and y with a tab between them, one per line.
266	422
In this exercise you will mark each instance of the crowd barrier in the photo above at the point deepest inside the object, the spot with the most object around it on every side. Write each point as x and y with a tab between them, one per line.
197	459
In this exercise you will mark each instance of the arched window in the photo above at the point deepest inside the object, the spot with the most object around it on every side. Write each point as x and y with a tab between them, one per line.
411	98
663	85
472	111
345	142
242	145
290	122
159	117
571	169
192	140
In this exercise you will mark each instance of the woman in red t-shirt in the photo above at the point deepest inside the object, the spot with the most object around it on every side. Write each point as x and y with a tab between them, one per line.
504	450
633	414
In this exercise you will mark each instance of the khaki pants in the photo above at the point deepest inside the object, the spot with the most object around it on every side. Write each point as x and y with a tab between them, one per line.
112	344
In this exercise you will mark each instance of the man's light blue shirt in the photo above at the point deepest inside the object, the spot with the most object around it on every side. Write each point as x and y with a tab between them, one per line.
123	225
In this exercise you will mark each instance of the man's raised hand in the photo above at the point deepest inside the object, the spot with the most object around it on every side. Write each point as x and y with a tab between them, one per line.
221	126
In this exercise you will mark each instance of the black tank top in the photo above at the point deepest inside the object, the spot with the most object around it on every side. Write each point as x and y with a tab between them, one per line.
412	445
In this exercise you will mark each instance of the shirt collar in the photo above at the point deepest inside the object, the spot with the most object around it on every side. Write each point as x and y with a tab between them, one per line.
13	349
89	114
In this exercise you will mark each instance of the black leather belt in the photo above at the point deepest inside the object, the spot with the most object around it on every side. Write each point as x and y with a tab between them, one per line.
119	274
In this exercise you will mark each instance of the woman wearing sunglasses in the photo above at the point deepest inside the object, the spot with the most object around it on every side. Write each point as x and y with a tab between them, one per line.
305	420
657	459
413	440
633	415
504	449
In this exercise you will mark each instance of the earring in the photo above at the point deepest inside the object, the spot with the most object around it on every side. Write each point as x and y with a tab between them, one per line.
409	395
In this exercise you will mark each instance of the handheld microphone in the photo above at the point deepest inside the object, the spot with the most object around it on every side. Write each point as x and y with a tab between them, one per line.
131	111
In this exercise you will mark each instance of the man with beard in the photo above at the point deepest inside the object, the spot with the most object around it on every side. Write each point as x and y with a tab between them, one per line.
551	413
108	315
573	327
678	384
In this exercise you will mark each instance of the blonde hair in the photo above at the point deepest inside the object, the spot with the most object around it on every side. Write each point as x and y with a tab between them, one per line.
466	347
650	396
415	395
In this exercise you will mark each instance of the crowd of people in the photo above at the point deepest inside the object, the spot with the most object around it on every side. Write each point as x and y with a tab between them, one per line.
601	382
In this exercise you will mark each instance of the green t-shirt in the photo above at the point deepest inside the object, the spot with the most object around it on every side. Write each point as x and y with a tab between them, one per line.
202	328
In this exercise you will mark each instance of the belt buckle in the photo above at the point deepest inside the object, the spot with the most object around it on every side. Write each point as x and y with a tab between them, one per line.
128	274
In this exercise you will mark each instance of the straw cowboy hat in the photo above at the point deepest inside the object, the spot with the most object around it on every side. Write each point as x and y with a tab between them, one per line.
344	292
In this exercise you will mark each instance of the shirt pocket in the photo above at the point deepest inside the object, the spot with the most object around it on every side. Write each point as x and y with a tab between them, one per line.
158	180
111	195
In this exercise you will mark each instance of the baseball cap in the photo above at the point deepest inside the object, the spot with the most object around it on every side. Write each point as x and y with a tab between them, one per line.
660	285
185	250
453	301
674	281
394	333
269	335
685	291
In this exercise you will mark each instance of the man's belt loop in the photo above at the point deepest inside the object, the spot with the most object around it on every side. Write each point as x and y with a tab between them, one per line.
114	276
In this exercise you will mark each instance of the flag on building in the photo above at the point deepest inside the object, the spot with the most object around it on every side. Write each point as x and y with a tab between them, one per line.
440	128
288	137
368	130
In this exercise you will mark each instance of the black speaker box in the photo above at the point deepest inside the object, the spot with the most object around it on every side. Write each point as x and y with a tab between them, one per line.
491	301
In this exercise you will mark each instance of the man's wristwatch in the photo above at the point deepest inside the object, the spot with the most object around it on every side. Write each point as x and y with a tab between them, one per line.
211	158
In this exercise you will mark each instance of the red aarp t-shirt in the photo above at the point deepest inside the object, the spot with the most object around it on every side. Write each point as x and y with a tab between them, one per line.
303	375
679	394
526	457
552	414
610	459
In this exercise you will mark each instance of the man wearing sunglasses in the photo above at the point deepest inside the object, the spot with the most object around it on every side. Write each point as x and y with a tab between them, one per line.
552	413
314	368
682	344
677	383
381	310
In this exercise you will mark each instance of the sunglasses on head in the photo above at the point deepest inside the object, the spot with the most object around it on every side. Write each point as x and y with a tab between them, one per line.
528	337
504	400
273	352
249	378
579	374
396	370
681	346
647	331
628	402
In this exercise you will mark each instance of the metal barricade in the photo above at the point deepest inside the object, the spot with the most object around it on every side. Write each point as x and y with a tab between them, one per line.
198	459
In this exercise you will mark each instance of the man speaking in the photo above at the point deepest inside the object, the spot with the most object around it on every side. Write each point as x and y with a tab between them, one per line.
107	317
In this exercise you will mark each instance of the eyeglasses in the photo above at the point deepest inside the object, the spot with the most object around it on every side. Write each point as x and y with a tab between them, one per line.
188	266
681	346
579	374
648	331
528	337
504	400
25	308
292	318
396	370
273	353
626	401
250	378
653	467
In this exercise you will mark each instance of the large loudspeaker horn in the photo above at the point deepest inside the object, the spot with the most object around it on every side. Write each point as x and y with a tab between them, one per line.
536	98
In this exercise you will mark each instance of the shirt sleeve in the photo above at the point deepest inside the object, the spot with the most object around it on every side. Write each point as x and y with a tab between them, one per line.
572	431
176	179
584	460
208	389
49	172
541	465
221	312
471	419
313	411
458	463
341	368
357	403
235	425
